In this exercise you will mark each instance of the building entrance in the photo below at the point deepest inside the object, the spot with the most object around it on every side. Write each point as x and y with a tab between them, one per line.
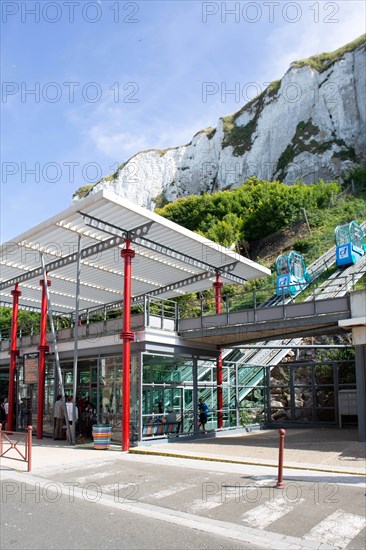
27	400
171	388
98	389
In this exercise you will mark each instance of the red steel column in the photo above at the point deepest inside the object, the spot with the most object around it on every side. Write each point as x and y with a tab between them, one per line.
218	297
218	308
14	353
126	335
43	349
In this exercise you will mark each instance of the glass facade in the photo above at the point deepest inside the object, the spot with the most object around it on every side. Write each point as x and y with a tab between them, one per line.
171	389
178	383
98	392
26	415
307	393
166	389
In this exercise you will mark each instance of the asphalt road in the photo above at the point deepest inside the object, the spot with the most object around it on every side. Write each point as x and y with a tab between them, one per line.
90	525
159	502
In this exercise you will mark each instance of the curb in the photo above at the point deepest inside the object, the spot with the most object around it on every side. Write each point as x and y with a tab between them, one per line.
244	462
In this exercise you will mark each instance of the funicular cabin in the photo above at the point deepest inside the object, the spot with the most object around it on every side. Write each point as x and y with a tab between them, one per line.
292	276
350	244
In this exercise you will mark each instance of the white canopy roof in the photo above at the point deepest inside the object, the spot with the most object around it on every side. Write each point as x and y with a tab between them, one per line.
170	260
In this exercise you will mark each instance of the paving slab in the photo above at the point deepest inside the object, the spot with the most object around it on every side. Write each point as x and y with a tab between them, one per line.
323	449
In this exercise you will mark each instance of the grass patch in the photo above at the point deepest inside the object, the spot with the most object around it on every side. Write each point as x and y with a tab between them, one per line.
323	61
209	132
241	137
83	191
238	137
361	283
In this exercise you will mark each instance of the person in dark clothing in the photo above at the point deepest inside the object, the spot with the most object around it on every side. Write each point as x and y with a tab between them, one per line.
203	412
2	415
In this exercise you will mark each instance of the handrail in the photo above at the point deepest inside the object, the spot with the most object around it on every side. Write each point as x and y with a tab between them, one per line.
247	300
168	309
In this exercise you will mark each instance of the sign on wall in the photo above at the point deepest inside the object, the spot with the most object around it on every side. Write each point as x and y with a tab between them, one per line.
30	363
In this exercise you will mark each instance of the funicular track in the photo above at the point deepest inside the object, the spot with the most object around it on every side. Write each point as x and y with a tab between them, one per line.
336	285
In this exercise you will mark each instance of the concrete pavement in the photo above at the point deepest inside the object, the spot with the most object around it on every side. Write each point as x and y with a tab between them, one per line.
319	449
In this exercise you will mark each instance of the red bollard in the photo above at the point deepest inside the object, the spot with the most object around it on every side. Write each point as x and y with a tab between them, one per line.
29	448
280	483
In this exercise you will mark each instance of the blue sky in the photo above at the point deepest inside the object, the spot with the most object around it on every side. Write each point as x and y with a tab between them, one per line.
111	78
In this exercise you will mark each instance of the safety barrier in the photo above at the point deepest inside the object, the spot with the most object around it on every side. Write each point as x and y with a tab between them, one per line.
7	444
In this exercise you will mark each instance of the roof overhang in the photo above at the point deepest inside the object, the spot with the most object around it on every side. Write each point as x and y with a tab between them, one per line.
170	260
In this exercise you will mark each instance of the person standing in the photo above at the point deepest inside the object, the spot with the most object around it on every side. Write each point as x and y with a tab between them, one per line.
2	416
6	409
23	413
59	416
204	412
89	419
70	416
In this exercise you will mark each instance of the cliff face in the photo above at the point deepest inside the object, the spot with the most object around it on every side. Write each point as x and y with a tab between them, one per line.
309	125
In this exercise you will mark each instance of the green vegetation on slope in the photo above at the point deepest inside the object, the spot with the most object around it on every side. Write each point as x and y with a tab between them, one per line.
28	322
262	208
256	209
323	61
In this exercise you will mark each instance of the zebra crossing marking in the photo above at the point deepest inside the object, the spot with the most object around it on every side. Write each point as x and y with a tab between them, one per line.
265	514
338	529
172	490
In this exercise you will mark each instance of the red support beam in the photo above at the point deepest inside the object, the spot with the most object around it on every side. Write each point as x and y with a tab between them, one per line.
43	349
218	308
218	295
14	353
127	336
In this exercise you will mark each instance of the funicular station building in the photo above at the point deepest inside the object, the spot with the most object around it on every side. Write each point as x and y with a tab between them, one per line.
110	261
105	253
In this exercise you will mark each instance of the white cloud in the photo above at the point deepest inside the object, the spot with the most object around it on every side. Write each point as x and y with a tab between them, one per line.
116	145
338	23
168	115
120	146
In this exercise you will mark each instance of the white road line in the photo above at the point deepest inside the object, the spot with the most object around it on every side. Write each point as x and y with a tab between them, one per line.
95	476
338	529
261	516
226	493
254	537
172	490
200	505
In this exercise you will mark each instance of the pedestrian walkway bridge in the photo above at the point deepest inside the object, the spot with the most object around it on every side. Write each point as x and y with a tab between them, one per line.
243	320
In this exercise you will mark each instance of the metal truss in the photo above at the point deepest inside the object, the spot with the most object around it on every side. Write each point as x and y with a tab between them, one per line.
135	235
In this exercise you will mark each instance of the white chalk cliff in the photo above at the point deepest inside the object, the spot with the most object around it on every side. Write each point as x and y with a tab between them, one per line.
309	125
